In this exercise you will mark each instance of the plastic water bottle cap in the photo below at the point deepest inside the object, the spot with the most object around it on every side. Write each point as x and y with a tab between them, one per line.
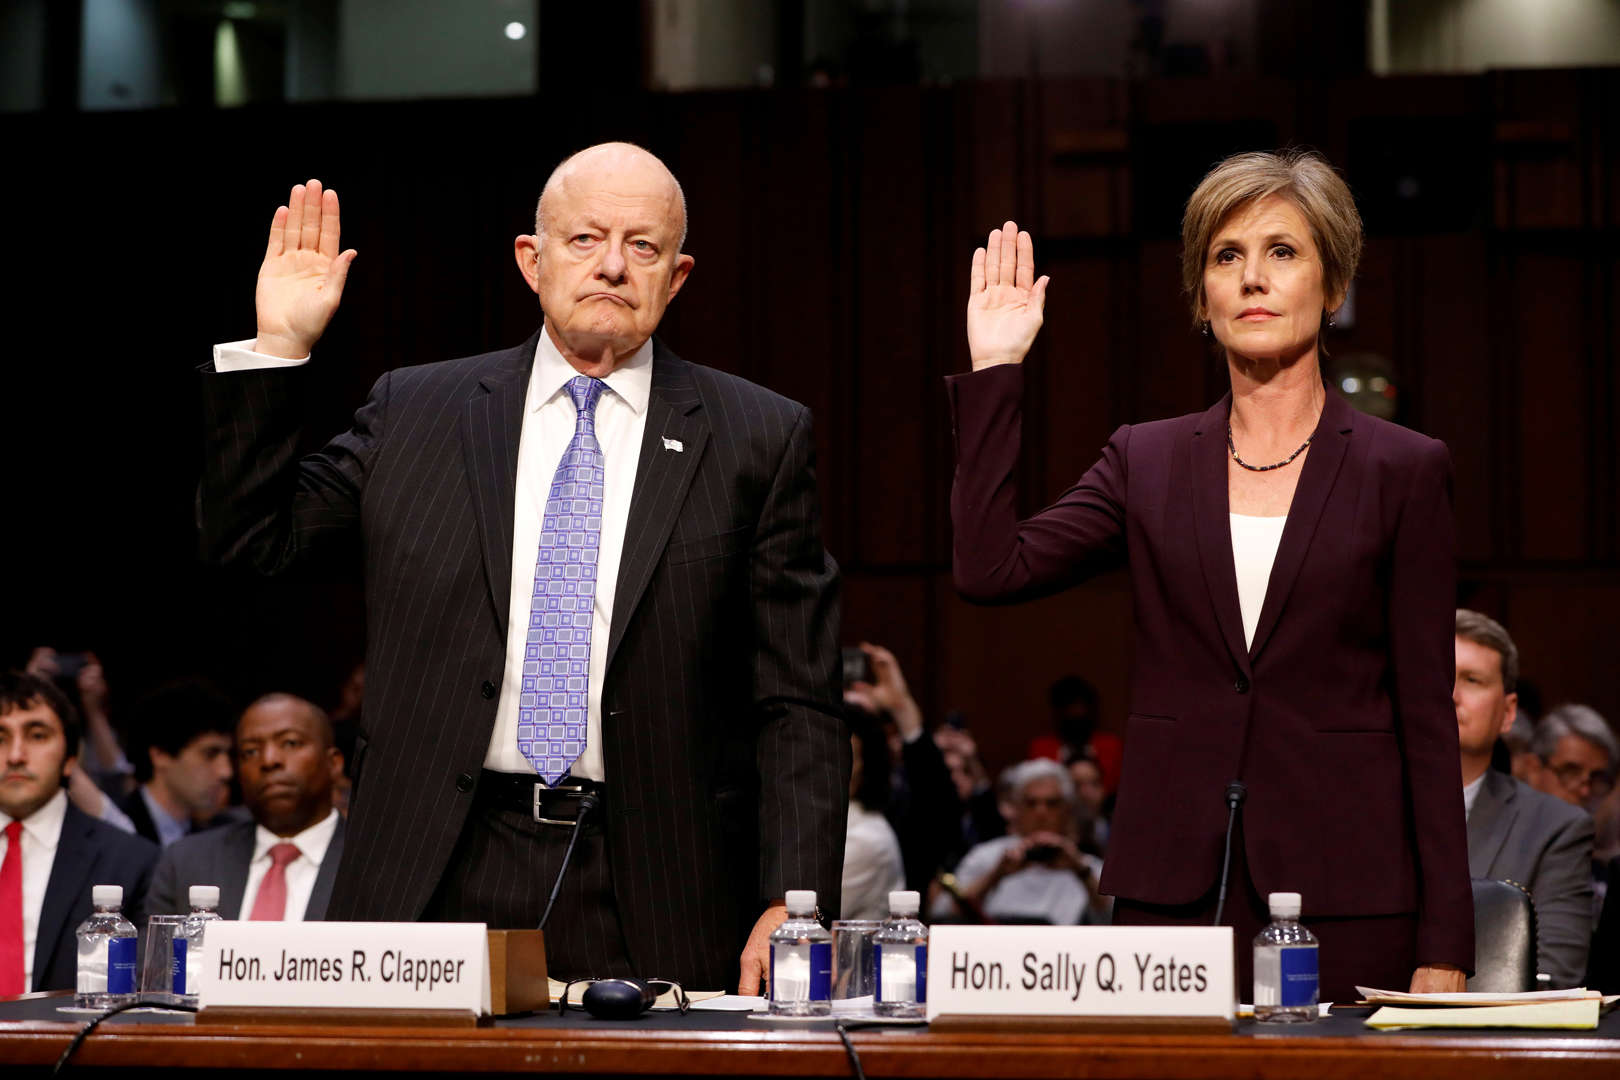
801	900
205	896
904	902
107	895
1284	905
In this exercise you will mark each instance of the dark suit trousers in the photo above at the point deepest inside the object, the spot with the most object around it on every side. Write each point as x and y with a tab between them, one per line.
502	871
1369	950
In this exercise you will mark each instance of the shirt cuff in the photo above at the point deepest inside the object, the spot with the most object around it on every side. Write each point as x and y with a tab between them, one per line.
239	356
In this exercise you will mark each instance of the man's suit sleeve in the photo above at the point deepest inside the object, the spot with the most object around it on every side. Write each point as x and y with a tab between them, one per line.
1422	608
258	500
803	754
1562	891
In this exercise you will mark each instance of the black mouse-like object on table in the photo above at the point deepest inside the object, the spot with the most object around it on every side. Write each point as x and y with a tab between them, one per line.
618	999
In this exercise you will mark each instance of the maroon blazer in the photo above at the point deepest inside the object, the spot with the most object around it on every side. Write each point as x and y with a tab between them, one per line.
1338	719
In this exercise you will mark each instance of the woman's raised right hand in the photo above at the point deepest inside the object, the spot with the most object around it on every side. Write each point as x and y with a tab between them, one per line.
301	278
1006	303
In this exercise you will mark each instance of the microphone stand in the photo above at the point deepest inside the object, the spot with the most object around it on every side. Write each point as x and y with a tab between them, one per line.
1236	792
587	803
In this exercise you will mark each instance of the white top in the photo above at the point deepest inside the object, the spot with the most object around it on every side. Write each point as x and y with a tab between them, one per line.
41	832
548	426
1254	549
301	872
872	866
1037	891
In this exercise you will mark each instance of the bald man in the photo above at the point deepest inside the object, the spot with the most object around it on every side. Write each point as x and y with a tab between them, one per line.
597	599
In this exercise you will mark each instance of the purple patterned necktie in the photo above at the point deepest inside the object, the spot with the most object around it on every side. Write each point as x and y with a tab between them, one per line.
557	656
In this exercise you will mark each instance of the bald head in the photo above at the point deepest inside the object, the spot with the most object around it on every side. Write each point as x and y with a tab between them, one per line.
605	258
588	168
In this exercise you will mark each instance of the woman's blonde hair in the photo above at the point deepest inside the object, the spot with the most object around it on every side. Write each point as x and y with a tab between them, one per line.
1304	178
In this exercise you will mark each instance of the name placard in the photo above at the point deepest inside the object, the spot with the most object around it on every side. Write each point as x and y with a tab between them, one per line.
1161	971
345	965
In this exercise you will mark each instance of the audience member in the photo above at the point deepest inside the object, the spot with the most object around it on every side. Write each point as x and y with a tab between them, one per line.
1515	832
981	816
1518	738
181	736
1603	973
103	773
346	732
921	802
1575	756
279	865
51	852
1075	709
1036	874
872	863
1090	806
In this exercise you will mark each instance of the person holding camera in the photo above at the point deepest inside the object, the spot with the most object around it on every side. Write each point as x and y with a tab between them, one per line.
1036	873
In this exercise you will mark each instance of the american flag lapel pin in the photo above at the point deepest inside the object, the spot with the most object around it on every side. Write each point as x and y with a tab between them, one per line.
673	444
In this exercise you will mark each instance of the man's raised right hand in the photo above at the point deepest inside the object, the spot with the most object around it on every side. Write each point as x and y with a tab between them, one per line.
301	278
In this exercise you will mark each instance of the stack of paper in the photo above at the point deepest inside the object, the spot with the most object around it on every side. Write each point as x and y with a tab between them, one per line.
1576	1008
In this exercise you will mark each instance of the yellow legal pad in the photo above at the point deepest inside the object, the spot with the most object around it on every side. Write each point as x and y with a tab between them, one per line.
1580	1015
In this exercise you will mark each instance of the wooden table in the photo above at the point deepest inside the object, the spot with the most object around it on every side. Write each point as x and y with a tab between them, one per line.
728	1045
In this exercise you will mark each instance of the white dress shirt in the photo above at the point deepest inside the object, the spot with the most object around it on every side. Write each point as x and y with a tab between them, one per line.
41	832
301	872
1254	549
872	865
169	828
1471	793
548	426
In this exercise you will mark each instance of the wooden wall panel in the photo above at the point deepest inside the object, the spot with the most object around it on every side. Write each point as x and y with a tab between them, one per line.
1542	307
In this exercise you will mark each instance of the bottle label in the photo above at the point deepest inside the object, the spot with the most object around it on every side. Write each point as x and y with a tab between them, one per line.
177	970
801	972
121	965
1298	984
902	973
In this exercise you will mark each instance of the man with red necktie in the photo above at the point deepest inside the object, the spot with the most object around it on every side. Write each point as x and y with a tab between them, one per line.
51	853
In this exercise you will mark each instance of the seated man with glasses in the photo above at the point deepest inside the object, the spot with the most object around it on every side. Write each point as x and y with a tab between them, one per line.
1035	874
1516	833
1576	755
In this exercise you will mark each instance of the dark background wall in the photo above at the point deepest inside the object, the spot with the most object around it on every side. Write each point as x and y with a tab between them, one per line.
832	232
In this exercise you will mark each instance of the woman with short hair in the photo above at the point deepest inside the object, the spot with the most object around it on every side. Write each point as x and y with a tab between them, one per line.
1293	578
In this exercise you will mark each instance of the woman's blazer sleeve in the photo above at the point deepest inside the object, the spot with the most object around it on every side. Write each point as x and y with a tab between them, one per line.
997	558
1422	607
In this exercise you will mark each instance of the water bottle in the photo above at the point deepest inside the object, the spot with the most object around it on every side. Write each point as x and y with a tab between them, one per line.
902	959
107	951
1285	983
801	960
188	946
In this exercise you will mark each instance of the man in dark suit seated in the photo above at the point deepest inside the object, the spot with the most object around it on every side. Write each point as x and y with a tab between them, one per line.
596	596
181	738
1516	833
280	865
51	852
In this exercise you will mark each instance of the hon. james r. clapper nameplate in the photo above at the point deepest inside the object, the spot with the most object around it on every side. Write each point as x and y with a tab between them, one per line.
414	967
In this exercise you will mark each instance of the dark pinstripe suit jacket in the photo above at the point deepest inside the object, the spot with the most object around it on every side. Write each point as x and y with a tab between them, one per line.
726	762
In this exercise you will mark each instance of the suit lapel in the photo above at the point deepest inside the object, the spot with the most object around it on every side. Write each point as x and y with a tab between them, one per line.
1490	823
71	871
1316	480
1214	528
491	430
237	859
663	474
321	894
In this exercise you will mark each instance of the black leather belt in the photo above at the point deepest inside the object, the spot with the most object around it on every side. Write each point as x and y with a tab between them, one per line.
525	794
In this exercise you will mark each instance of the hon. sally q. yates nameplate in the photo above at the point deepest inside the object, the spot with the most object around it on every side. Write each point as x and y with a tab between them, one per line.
360	965
1102	971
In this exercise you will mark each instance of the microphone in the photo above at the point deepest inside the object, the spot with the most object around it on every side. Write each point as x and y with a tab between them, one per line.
1236	792
587	802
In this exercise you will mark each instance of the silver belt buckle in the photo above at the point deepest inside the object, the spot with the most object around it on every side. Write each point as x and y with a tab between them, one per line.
538	788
